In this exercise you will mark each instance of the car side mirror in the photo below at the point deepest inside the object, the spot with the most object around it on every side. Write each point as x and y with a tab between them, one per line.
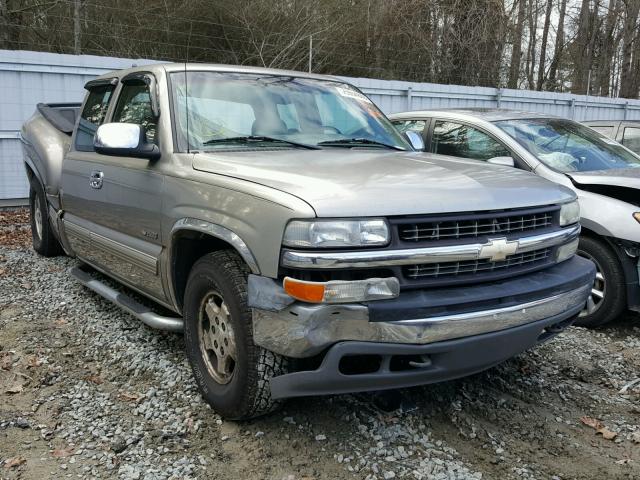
415	139
124	140
504	161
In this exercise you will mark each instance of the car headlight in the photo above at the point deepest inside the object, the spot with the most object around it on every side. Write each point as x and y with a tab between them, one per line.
570	213
336	233
637	216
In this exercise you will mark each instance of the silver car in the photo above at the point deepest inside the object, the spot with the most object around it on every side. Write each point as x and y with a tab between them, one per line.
604	174
626	132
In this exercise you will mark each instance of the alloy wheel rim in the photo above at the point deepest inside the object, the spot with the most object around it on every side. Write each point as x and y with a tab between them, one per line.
598	289
216	338
37	216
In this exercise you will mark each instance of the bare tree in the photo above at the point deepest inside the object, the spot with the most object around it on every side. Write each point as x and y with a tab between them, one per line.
77	48
4	24
516	53
530	61
447	41
608	45
543	45
628	82
559	47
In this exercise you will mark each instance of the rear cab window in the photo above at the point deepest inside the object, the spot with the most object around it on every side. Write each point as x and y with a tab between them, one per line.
92	115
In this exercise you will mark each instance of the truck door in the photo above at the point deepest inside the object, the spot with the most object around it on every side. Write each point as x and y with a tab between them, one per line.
80	202
117	200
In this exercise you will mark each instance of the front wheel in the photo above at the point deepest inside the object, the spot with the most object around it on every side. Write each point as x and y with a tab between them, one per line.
608	295
232	373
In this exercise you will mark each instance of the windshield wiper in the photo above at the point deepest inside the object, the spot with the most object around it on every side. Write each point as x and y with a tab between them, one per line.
350	142
250	139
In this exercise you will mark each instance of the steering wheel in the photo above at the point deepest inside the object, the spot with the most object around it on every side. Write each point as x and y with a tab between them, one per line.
582	155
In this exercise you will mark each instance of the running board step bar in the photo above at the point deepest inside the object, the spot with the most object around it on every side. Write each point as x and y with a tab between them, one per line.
148	317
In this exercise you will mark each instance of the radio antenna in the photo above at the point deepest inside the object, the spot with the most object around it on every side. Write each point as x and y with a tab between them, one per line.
186	87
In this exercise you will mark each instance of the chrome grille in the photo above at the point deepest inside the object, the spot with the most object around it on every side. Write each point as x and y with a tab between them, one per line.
472	267
474	227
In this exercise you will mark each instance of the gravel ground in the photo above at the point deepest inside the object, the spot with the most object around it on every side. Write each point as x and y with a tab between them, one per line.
88	391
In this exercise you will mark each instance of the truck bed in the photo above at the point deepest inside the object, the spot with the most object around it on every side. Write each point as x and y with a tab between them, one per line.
46	137
62	116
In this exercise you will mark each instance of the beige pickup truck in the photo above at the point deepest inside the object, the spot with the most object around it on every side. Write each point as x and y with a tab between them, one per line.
296	238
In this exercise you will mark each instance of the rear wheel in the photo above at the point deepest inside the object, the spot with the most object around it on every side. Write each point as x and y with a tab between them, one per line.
608	295
43	238
232	373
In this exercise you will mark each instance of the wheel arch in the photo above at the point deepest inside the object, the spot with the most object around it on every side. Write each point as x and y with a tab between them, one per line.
594	229
629	268
190	239
32	172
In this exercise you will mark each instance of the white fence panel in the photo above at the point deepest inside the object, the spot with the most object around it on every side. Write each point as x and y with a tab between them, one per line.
28	78
394	97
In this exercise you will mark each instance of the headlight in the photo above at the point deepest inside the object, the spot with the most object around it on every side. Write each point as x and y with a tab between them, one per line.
336	233
637	216
566	251
569	213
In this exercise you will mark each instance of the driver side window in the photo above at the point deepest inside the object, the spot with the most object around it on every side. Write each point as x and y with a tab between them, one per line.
458	140
134	106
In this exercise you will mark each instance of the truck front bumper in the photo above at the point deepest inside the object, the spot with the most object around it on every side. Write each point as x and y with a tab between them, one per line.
419	317
452	332
440	361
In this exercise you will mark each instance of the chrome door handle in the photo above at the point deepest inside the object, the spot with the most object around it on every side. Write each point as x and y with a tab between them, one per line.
95	179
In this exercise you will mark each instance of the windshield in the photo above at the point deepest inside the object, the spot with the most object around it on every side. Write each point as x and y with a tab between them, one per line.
224	109
568	146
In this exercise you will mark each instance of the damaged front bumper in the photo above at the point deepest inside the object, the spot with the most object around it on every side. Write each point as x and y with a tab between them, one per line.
300	330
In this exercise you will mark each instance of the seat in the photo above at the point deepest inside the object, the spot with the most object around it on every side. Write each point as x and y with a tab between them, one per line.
268	127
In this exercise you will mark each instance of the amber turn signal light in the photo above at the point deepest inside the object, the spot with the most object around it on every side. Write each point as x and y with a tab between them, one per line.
312	292
342	291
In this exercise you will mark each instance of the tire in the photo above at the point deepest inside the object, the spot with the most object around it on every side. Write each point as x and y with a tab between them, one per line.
609	296
43	239
215	310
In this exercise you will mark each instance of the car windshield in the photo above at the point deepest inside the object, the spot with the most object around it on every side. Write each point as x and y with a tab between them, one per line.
568	146
218	110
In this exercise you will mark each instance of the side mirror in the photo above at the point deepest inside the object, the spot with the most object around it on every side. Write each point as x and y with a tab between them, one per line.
504	161
415	139
124	140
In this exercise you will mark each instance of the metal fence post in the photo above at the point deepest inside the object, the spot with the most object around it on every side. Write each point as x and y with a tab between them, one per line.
499	97
409	98
626	110
573	108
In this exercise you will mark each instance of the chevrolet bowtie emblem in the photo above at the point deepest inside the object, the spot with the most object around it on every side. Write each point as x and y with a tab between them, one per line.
498	249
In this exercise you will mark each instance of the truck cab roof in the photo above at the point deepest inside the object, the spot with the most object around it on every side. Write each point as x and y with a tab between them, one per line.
160	68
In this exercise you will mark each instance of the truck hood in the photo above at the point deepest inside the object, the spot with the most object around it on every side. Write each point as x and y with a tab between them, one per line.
368	182
619	177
